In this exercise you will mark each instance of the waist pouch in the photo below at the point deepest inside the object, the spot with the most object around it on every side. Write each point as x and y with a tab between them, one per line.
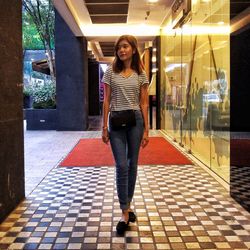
122	119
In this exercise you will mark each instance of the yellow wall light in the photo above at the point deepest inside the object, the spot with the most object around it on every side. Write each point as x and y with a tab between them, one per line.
198	30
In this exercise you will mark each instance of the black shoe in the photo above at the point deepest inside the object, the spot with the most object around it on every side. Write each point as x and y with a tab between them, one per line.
121	227
132	216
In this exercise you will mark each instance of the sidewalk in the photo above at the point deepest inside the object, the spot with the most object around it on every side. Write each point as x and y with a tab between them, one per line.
43	150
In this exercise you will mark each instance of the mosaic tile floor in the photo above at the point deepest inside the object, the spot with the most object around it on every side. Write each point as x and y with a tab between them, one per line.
178	207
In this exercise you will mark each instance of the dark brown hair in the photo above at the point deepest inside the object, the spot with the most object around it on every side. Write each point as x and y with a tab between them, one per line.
136	64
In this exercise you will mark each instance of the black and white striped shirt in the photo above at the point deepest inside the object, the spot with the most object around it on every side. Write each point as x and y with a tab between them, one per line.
125	91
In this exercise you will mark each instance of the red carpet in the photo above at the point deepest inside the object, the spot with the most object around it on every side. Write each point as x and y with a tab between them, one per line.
93	152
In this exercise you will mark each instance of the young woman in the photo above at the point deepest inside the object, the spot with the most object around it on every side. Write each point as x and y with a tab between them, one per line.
126	88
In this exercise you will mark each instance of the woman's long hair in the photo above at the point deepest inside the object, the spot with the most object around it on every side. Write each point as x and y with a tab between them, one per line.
136	63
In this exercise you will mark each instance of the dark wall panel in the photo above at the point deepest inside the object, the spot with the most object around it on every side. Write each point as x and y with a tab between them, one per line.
239	81
240	119
71	78
94	104
11	116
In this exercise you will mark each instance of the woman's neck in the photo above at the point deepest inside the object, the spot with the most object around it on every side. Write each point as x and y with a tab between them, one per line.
127	65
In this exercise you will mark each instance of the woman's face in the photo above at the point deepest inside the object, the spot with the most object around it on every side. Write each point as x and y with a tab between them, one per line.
124	51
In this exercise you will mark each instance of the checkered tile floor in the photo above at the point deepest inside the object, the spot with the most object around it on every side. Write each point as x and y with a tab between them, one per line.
178	207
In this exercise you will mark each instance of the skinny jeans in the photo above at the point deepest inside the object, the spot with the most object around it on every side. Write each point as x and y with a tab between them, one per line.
125	144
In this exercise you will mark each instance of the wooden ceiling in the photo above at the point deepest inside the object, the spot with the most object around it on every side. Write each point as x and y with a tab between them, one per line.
103	21
107	11
107	48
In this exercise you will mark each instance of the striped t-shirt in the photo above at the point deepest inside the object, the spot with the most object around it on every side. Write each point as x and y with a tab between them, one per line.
125	91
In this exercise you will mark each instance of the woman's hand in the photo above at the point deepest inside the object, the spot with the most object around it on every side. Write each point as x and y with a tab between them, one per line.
144	109
145	139
106	105
105	135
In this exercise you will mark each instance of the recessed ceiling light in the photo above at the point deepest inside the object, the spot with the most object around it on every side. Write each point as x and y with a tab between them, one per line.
152	1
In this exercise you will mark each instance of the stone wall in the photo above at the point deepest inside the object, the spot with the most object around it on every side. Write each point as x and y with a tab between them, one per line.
71	78
11	103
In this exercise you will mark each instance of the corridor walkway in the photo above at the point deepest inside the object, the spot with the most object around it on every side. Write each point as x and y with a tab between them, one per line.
178	207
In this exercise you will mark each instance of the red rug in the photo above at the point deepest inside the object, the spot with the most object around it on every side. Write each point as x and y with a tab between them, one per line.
93	152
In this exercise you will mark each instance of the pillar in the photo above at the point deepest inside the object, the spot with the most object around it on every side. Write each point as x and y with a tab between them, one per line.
71	78
11	107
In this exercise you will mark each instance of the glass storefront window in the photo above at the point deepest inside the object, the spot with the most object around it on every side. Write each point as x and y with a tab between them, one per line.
195	64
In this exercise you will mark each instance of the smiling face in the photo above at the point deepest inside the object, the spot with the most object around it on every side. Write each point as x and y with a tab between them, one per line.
124	50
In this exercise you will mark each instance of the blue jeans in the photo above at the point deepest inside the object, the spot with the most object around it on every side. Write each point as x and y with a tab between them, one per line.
125	144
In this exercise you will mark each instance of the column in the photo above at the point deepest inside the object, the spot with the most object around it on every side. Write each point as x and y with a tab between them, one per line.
11	107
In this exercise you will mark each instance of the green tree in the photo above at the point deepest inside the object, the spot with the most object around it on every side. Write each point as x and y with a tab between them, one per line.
41	13
31	38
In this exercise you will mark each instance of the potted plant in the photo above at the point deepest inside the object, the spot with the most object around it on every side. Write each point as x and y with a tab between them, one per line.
42	115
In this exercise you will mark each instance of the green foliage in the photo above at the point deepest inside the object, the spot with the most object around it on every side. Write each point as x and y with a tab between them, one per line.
39	75
31	38
38	24
27	90
44	96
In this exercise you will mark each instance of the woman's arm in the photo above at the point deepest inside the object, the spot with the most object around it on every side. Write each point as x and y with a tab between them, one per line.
144	109
106	106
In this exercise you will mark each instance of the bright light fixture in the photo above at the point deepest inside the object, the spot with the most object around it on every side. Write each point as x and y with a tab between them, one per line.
173	66
153	1
117	30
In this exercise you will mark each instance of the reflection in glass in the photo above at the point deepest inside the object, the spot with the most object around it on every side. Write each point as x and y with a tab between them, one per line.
195	70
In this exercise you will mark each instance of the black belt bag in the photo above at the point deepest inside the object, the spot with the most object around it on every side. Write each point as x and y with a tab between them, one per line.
122	119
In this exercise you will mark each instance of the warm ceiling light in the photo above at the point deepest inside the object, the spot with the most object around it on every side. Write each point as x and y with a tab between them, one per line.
220	23
117	30
152	1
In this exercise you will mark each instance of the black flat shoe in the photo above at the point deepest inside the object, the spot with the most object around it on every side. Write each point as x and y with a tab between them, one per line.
132	216
121	227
